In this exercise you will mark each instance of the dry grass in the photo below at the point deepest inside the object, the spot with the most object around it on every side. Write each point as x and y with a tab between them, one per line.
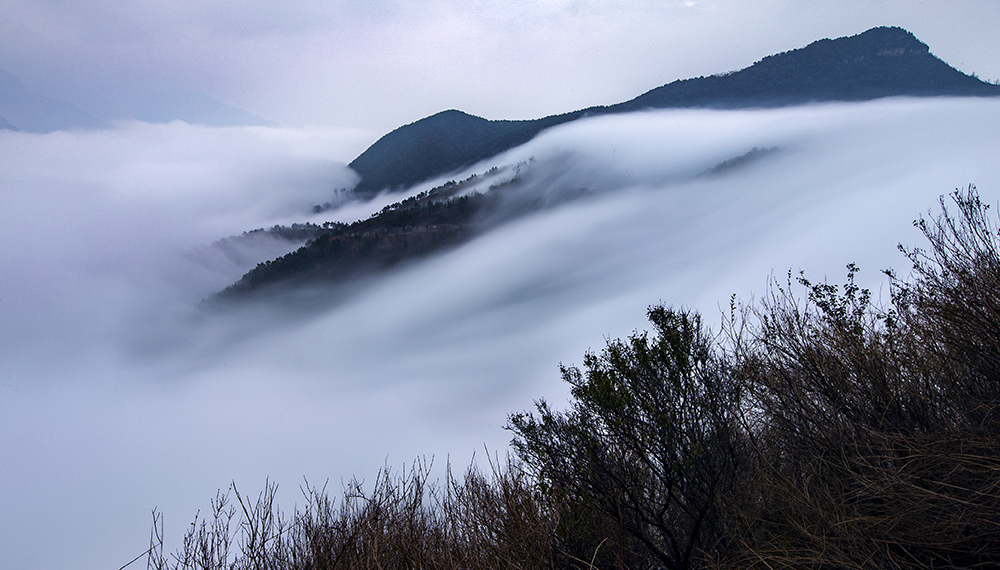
403	521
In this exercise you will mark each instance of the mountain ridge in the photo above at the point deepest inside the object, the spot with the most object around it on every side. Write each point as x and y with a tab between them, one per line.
22	109
880	62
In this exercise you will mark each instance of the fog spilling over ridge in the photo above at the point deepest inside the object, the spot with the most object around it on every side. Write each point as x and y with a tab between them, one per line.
121	390
96	221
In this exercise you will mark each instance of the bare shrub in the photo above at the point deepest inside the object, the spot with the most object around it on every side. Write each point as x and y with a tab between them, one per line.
876	429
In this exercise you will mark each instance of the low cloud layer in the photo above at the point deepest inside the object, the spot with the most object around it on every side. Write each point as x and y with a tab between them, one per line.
95	222
121	392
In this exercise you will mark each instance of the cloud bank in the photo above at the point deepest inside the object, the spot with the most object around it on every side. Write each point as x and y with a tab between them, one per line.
120	392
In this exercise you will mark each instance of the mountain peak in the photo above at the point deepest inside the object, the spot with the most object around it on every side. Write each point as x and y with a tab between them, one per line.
880	62
452	137
892	37
882	41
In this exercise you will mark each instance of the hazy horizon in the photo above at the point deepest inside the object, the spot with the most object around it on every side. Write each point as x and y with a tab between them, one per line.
378	65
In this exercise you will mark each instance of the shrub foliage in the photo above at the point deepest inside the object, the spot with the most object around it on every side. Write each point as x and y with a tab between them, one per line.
818	430
649	442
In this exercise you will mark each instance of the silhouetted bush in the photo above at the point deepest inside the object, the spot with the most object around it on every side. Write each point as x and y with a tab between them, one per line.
650	441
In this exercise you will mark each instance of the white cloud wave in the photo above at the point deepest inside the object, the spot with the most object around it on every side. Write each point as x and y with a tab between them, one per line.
109	408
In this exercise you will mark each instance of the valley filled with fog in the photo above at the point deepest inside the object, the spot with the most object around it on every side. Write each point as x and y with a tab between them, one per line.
121	390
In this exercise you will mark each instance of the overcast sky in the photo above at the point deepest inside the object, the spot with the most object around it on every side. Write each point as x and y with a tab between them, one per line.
376	64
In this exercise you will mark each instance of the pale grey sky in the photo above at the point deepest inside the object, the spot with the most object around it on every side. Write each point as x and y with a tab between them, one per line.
381	63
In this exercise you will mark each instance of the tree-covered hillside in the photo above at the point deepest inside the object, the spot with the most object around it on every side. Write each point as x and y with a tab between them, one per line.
404	231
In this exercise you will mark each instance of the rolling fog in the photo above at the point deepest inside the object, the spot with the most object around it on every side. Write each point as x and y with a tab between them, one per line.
121	392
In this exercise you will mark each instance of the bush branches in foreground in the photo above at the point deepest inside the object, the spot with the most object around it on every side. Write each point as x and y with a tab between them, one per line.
818	430
875	431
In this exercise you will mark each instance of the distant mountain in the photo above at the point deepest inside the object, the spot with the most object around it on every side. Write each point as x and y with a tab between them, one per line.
161	106
880	62
24	110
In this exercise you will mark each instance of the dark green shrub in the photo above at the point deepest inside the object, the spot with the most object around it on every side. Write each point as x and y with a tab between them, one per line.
649	442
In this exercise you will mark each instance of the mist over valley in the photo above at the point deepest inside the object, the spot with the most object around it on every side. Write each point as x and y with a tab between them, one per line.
128	383
110	359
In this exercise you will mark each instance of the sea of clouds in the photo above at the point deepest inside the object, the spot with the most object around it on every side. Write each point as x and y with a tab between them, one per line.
121	391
